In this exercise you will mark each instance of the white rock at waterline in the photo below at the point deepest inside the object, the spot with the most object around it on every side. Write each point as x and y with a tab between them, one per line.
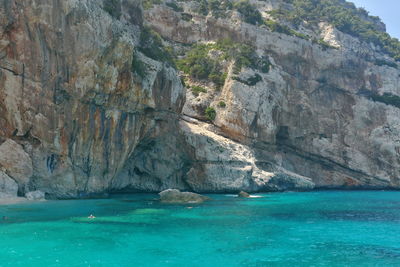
35	195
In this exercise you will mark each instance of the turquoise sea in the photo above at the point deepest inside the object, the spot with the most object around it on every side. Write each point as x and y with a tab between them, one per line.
327	228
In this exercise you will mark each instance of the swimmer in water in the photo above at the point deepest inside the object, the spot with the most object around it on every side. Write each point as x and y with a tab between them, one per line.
91	216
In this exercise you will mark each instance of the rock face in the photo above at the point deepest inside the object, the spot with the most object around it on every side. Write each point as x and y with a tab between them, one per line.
77	118
16	162
314	113
35	195
220	164
69	98
8	187
176	196
243	194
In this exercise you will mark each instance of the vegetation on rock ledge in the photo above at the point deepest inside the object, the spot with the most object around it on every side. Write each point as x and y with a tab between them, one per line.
276	27
199	65
387	98
196	90
174	6
249	12
210	113
138	66
251	81
113	7
151	45
382	62
203	61
219	9
147	4
345	17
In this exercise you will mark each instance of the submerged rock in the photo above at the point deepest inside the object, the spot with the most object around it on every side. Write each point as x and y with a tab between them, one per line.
35	195
176	196
243	194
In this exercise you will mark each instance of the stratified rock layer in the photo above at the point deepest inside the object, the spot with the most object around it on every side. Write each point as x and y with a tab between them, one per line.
313	113
70	99
76	119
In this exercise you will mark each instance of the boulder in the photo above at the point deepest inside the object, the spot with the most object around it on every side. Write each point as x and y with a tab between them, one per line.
35	195
176	196
243	194
17	162
8	187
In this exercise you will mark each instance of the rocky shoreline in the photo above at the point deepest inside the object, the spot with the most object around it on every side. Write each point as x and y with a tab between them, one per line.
13	200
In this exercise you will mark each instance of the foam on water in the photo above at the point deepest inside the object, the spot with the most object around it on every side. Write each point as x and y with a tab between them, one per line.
281	229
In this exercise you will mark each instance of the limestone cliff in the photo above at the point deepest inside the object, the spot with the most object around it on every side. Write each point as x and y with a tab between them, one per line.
91	103
69	100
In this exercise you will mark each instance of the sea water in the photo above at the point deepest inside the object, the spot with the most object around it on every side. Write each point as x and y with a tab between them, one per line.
331	228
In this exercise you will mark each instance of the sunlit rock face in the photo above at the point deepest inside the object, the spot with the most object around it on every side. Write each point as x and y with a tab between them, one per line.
69	97
313	113
77	120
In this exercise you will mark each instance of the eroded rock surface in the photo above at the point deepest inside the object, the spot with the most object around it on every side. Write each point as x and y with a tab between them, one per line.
176	196
16	162
78	118
69	98
313	114
220	164
35	195
8	187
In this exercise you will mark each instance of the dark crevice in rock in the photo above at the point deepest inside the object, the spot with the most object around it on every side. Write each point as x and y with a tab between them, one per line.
26	138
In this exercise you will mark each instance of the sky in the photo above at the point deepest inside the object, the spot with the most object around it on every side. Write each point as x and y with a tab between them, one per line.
387	10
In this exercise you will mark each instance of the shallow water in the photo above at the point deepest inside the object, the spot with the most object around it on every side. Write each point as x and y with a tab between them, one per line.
282	229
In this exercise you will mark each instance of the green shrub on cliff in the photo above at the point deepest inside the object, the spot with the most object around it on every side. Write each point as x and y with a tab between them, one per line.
218	78
198	63
210	113
151	45
325	45
147	4
174	6
264	65
243	55
382	62
113	7
138	66
202	7
186	16
344	16
276	27
251	81
219	8
249	12
196	90
387	98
